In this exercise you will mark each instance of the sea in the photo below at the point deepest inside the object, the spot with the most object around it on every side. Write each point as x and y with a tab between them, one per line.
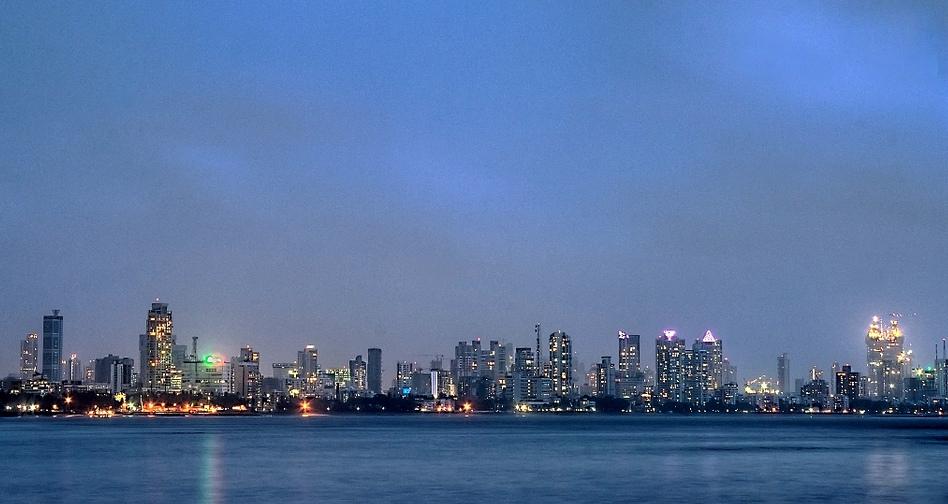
474	458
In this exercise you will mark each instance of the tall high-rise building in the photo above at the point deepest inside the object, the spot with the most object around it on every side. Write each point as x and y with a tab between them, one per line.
668	370
466	366
561	364
374	371
696	375
847	383
630	359
941	369
728	372
605	377
524	369
714	348
74	368
357	373
156	347
245	375
53	347
885	356
403	372
783	374
308	361
29	351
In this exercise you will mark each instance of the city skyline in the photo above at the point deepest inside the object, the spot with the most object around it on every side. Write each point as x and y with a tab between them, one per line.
888	361
407	177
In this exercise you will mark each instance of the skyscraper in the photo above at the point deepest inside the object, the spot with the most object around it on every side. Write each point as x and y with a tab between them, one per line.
156	347
714	347
847	385
629	354
245	376
357	372
374	371
523	369
53	347
29	351
884	355
464	366
783	373
605	377
307	362
403	372
700	370
74	369
668	373
561	363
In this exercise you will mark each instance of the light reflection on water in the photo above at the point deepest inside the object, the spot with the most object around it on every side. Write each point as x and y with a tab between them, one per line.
211	489
481	458
887	473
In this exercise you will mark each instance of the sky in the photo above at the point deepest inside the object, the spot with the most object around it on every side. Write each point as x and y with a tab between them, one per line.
408	175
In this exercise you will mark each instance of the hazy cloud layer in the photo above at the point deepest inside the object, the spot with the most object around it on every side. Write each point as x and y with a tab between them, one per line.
411	176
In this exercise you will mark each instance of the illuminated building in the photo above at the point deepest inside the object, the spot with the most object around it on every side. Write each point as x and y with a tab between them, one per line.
523	369
286	375
102	370
245	376
29	351
668	370
884	354
728	372
74	369
403	372
921	385
629	354
605	377
695	376
206	375
155	347
307	361
357	373
701	370
630	380
941	369
561	364
53	347
783	373
464	366
120	375
847	385
374	371
442	384
712	373
494	361
816	392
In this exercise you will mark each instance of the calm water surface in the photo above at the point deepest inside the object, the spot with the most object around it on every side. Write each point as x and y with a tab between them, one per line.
479	458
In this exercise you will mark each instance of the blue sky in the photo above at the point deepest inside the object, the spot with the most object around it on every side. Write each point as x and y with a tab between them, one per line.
411	175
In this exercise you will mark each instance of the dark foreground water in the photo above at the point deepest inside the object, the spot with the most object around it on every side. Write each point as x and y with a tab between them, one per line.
480	458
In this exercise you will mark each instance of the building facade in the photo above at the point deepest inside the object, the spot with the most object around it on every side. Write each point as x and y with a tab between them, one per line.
561	364
53	347
29	352
885	356
156	347
783	374
668	371
374	371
